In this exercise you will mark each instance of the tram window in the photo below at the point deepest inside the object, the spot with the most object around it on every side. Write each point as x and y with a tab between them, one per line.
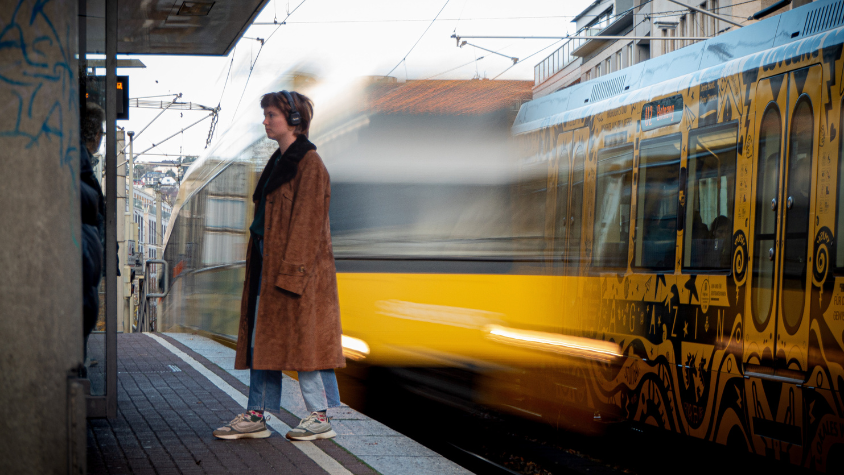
530	217
839	251
562	211
576	210
765	226
710	194
657	202
797	211
613	191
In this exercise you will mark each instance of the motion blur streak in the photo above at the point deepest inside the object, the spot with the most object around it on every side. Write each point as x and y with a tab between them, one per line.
555	343
354	348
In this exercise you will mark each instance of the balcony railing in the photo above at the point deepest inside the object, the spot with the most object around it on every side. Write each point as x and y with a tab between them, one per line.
560	58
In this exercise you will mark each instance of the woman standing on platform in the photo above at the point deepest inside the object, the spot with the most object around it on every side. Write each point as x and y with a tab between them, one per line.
290	315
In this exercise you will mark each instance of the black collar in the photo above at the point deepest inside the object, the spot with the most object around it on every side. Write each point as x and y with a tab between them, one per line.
283	167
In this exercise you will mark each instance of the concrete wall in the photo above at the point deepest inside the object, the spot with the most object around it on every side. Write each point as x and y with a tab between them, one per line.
41	293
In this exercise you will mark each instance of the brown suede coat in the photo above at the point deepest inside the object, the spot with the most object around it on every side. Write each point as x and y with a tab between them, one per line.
298	322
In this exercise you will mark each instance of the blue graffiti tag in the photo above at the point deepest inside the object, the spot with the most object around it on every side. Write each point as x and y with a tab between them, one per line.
38	85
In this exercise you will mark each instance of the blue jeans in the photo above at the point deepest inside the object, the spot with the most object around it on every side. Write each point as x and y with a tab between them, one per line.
319	388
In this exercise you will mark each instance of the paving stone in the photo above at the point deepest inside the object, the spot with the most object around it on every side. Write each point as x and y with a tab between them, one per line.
165	420
392	451
157	429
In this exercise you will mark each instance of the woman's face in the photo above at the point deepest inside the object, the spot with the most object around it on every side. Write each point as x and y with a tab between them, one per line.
275	123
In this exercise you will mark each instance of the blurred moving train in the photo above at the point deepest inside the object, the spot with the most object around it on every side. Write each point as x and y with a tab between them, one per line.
657	245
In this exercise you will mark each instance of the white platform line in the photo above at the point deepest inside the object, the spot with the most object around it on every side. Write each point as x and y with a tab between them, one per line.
308	448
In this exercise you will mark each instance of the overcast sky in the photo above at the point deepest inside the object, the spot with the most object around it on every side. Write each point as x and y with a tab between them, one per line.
332	38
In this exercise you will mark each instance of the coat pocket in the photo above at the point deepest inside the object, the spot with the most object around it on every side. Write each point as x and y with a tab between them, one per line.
292	277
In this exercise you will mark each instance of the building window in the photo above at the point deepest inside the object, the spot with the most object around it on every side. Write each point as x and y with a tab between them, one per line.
599	23
618	63
607	66
630	61
713	22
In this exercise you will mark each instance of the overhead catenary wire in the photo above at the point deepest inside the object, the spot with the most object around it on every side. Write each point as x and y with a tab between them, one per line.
420	38
177	133
552	44
511	58
647	16
519	61
213	127
460	15
253	64
561	39
526	58
545	17
456	67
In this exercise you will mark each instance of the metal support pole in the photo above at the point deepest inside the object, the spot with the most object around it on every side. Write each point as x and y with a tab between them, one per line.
129	235
159	114
131	196
159	226
111	209
511	58
700	10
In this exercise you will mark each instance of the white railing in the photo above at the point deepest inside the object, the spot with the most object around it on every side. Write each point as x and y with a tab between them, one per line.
561	58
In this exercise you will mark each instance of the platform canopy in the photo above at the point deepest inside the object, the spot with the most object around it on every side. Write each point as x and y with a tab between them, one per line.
172	26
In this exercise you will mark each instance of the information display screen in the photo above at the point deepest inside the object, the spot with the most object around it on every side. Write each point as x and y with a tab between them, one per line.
95	90
663	112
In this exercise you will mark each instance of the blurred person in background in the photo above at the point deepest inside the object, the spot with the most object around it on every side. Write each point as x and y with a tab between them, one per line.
290	313
93	219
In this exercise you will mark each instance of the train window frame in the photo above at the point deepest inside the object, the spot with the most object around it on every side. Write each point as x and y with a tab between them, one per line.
760	321
578	171
787	303
637	233
836	269
685	213
613	152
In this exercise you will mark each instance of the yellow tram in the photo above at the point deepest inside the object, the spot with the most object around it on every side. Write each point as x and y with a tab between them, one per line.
663	252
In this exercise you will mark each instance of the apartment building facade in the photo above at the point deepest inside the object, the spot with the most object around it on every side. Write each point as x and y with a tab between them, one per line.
654	28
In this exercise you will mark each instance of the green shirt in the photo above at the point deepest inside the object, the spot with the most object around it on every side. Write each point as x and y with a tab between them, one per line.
257	227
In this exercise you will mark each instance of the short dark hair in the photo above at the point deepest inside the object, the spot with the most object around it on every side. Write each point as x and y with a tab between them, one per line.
91	122
303	104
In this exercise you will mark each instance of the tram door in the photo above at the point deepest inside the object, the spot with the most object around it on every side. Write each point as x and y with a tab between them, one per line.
787	113
571	154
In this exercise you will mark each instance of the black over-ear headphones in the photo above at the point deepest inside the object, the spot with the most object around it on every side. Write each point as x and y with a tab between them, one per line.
294	118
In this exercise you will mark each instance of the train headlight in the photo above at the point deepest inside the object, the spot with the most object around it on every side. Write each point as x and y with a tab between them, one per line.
354	348
554	343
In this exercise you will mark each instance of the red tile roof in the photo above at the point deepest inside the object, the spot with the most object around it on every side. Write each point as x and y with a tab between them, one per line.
448	97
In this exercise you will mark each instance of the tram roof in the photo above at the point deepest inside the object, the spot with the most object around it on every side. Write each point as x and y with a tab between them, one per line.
808	20
168	27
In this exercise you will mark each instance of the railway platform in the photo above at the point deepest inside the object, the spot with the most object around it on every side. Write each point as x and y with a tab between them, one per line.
174	389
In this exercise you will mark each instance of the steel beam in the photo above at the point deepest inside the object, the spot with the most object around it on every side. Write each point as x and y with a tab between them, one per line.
111	209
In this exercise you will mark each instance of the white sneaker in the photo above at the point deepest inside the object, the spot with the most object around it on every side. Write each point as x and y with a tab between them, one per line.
251	425
315	426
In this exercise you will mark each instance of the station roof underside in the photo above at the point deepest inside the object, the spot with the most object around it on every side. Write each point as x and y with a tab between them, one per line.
173	27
